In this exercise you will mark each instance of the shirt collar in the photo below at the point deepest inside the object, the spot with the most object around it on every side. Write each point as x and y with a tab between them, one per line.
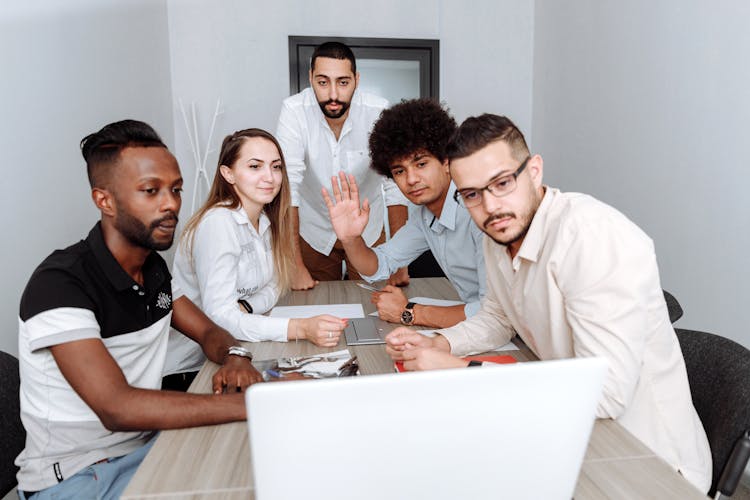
112	269
534	239
450	209
448	214
240	217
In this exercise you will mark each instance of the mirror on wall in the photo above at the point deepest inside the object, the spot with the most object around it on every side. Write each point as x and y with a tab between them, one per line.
395	68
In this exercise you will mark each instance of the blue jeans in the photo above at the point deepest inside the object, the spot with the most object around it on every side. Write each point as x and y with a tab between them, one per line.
100	481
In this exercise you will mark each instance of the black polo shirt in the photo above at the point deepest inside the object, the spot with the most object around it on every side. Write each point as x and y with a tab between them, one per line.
86	275
78	293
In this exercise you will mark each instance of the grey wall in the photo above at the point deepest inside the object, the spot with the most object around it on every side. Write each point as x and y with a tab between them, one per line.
67	69
238	51
642	104
646	105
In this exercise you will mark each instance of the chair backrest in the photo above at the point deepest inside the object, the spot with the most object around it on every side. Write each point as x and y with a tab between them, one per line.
719	373
12	433
673	306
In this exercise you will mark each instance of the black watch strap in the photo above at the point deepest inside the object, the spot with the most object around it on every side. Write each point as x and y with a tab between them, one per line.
474	362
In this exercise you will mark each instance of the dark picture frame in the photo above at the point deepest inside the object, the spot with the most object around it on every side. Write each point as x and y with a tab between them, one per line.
425	51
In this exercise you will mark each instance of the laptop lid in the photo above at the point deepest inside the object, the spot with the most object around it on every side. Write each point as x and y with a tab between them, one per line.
364	331
506	431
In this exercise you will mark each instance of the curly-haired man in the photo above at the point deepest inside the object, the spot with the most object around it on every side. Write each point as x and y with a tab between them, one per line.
408	144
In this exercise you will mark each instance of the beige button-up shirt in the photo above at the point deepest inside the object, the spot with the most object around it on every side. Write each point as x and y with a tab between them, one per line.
585	283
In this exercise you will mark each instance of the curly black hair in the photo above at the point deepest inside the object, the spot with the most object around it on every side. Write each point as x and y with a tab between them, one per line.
407	128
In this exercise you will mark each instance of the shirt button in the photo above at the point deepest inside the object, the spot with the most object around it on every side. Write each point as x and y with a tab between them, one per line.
141	293
135	287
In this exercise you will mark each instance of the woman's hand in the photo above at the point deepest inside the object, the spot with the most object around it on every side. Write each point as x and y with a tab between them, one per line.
323	330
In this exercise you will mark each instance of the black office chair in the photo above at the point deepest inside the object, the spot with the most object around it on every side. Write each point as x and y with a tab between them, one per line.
425	266
674	308
719	373
12	433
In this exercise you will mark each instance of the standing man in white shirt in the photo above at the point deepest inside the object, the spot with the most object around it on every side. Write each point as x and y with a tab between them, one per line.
572	277
324	130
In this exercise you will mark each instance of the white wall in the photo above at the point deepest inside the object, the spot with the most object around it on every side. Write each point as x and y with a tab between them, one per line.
238	51
646	105
643	105
67	69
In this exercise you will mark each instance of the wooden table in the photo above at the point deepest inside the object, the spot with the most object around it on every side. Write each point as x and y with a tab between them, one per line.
213	462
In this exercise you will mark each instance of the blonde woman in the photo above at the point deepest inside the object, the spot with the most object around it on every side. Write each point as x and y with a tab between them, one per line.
235	257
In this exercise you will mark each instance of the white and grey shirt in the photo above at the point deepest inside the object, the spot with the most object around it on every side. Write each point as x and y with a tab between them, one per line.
78	293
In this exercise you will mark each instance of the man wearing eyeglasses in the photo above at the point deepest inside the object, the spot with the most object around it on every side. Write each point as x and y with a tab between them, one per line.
408	144
572	277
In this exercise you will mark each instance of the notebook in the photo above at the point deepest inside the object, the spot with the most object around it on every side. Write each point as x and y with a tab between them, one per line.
503	431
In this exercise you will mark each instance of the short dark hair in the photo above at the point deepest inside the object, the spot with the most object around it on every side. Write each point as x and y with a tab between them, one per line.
334	50
477	132
407	128
102	149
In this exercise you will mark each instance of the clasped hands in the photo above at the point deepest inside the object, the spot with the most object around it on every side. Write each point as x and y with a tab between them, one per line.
420	352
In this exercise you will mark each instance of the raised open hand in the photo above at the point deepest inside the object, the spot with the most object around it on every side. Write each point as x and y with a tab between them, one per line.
347	216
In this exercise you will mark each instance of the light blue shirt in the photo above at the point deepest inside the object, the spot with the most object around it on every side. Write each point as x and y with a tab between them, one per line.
455	241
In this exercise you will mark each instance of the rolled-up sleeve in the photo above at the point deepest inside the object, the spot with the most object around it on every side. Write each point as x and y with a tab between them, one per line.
392	194
290	138
405	246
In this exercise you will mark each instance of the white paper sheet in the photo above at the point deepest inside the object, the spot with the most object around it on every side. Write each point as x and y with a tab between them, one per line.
429	301
510	346
339	310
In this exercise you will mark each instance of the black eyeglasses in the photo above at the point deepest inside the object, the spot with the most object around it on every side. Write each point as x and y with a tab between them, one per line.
502	186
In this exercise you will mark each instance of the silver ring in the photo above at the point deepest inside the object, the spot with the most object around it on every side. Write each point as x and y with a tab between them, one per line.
330	335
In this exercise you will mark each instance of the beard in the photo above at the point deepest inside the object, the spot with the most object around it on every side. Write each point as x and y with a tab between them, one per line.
331	114
517	232
137	233
510	235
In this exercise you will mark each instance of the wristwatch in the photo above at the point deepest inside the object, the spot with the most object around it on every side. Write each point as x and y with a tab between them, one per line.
236	350
407	317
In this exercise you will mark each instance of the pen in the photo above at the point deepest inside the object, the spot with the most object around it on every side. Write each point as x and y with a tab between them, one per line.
272	373
367	287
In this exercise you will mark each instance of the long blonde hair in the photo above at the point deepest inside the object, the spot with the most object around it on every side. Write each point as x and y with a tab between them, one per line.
223	194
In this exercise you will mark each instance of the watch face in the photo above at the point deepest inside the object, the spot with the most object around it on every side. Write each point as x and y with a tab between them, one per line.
407	317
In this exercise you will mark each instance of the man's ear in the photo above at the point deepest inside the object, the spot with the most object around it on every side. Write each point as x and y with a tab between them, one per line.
447	166
536	169
104	201
356	79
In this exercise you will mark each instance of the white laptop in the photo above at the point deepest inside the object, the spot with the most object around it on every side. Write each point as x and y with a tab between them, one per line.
507	431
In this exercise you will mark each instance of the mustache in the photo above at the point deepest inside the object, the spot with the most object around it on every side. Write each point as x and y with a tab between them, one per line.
333	101
497	216
170	217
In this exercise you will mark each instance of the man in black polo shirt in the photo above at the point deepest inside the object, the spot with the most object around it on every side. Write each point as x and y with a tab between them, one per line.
93	330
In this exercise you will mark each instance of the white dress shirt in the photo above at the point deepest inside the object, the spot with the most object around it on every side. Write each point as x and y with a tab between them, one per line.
455	242
585	283
313	156
230	261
